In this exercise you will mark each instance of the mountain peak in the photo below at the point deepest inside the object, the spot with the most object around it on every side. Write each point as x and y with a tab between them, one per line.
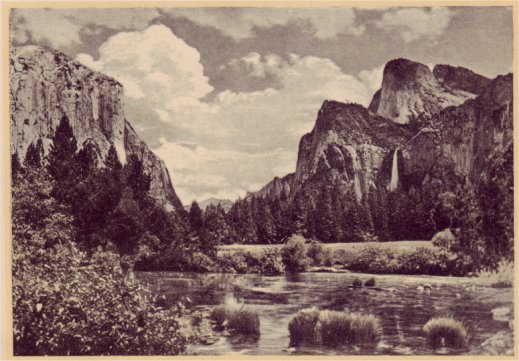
410	90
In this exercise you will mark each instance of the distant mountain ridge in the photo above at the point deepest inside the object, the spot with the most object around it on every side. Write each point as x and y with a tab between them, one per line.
226	204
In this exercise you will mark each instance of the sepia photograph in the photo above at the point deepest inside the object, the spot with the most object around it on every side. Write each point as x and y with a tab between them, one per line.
279	179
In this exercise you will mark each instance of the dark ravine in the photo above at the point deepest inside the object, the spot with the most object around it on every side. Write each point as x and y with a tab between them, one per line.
46	84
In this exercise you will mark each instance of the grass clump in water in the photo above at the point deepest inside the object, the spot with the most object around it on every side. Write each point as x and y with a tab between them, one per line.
333	328
445	331
302	327
370	282
242	321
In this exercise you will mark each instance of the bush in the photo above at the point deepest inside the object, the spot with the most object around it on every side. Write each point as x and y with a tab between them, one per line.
444	239
294	255
66	302
357	283
333	328
502	277
370	282
445	331
271	262
267	262
418	261
242	321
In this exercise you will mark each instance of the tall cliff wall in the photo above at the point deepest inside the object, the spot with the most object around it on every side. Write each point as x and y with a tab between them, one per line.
46	84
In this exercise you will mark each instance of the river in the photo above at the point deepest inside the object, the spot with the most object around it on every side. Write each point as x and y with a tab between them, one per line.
397	300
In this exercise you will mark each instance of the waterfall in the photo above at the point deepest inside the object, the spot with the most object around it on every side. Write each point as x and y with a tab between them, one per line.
393	184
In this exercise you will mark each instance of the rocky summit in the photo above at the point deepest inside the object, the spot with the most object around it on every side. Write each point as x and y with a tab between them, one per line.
45	85
410	89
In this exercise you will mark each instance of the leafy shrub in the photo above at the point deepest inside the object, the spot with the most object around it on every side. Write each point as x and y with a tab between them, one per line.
267	262
445	331
316	253
271	262
302	327
370	282
242	321
332	328
502	277
68	303
444	239
418	261
357	283
294	254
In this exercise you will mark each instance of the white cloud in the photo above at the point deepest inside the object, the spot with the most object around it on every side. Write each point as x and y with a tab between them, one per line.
372	78
61	27
239	22
416	23
238	138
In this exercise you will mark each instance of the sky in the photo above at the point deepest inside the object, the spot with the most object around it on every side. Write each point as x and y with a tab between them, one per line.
223	95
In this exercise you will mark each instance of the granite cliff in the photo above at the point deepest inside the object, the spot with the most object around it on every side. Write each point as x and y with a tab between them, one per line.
423	130
46	84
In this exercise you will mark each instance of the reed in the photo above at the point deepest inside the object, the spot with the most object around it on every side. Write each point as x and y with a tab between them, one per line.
242	321
333	328
445	331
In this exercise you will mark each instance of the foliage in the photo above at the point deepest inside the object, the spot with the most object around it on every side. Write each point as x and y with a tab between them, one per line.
242	321
268	262
66	302
294	255
333	328
418	261
502	277
445	331
357	283
319	255
370	282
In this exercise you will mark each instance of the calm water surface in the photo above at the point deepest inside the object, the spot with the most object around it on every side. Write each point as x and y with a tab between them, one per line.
402	309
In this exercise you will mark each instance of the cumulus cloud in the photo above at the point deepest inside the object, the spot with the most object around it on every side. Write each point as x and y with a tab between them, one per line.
238	139
372	79
61	27
240	22
416	23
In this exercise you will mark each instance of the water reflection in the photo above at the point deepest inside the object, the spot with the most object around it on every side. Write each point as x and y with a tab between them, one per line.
402	309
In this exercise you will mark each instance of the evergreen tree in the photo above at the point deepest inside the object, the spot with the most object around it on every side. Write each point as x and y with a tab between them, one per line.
137	179
15	167
34	155
266	230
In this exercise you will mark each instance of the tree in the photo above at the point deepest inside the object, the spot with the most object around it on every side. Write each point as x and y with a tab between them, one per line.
61	162
137	179
15	167
34	155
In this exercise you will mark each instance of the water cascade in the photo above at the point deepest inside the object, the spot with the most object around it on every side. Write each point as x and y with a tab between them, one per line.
393	184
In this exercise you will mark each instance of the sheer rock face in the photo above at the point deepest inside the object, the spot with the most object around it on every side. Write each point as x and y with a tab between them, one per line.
275	188
46	84
462	139
347	148
351	148
410	90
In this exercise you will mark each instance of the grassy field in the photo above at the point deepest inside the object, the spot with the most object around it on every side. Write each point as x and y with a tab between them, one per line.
352	248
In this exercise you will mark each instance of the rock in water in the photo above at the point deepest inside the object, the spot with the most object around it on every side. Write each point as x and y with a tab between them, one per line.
46	84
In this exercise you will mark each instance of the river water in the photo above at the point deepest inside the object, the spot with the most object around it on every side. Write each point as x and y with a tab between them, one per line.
403	310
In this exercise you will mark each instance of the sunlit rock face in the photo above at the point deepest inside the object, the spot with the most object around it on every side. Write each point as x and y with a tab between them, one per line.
347	146
460	141
410	90
45	85
460	121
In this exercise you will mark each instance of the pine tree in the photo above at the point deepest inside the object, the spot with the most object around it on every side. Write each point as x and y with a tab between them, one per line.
15	167
61	163
34	155
137	179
